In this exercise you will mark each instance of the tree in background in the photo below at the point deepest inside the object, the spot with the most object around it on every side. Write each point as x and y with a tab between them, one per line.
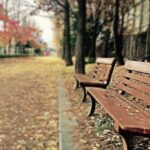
59	6
4	18
118	37
67	39
93	28
58	34
81	37
15	33
105	17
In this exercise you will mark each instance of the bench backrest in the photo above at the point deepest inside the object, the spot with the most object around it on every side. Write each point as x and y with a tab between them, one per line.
135	80
103	69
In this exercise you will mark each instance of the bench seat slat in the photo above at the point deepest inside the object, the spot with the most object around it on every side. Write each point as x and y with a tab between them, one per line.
98	76
129	106
88	80
120	111
134	92
137	106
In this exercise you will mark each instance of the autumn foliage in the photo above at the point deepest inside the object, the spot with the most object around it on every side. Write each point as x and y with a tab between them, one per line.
11	30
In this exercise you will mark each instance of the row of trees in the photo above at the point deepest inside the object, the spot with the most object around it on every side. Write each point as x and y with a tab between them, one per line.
83	20
16	34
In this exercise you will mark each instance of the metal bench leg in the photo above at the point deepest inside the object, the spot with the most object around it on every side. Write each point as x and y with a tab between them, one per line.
84	95
77	85
127	139
93	105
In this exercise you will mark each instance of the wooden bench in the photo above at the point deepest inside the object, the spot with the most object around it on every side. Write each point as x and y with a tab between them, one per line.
129	107
99	77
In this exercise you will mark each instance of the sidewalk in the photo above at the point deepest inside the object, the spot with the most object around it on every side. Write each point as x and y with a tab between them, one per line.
66	123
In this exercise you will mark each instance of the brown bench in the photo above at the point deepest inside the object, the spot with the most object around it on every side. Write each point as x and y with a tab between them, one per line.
129	107
99	77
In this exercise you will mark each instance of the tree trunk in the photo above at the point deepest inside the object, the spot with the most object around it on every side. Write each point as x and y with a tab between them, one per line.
106	43
23	49
5	51
92	36
68	57
64	47
80	38
9	46
92	49
117	37
147	52
16	49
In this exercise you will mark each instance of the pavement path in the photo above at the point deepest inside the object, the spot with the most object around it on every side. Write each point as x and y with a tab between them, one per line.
66	124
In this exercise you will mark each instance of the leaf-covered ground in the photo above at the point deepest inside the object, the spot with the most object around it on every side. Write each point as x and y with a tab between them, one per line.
29	108
28	104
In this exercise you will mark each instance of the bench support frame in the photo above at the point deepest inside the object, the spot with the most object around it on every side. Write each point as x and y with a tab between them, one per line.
93	106
127	139
84	94
77	85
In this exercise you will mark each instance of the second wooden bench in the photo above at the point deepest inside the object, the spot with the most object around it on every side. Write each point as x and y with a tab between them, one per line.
99	77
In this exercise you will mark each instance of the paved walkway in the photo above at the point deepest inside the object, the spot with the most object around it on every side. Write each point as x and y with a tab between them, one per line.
66	124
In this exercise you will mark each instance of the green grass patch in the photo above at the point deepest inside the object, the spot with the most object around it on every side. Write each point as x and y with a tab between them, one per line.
103	123
13	55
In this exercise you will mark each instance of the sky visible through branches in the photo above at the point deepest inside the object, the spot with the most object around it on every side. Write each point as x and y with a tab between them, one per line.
41	19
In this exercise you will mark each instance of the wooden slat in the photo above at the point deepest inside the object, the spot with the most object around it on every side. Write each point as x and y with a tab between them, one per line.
134	92
140	87
143	67
104	68
100	69
135	107
137	77
108	61
132	109
102	72
88	80
121	112
100	75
